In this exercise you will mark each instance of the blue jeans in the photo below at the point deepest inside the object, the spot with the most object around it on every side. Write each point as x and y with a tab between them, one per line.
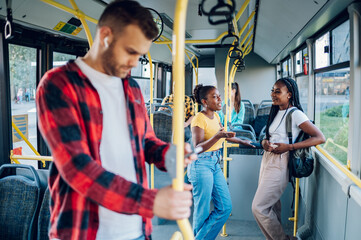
208	182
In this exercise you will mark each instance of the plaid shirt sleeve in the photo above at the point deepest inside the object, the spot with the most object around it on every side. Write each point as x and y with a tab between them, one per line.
63	124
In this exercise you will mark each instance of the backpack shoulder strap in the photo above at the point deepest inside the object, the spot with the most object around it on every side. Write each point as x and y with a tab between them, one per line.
289	125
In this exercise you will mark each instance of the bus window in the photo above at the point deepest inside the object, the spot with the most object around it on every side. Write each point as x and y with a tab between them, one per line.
206	76
322	47
332	110
341	43
298	63
302	83
22	64
60	59
141	74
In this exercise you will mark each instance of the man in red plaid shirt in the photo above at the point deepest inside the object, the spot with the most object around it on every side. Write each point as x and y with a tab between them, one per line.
93	118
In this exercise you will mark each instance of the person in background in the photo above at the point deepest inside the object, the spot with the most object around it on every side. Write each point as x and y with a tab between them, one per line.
205	173
93	118
188	113
273	176
237	108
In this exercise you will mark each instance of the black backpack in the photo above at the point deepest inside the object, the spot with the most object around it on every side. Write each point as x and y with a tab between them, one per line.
300	163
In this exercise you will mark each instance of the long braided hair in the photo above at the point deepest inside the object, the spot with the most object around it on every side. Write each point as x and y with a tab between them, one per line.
294	100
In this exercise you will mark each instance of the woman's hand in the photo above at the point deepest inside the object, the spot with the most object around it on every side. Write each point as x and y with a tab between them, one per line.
223	134
267	145
281	148
246	143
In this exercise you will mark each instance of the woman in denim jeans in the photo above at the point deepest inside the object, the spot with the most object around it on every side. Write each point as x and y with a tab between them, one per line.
205	173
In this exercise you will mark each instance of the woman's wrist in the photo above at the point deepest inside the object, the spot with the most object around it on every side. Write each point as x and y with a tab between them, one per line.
292	147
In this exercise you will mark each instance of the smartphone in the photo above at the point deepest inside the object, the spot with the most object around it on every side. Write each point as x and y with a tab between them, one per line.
195	151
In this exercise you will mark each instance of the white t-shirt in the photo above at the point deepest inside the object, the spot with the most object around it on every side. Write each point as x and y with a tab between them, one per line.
115	152
278	131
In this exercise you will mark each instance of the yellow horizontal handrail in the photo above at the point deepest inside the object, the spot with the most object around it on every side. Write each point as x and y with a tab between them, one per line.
246	36
246	23
196	41
249	49
70	10
248	43
31	157
348	173
241	10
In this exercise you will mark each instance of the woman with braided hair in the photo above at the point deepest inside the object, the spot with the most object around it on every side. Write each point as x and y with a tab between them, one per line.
273	177
205	173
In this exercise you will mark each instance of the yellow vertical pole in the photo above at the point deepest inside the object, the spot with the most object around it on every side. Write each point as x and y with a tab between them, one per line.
197	66
226	97
178	119
151	114
297	197
83	22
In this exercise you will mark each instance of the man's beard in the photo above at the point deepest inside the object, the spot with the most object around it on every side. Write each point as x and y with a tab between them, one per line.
109	64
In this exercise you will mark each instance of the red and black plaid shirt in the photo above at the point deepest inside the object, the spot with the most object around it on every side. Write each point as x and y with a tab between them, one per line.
70	120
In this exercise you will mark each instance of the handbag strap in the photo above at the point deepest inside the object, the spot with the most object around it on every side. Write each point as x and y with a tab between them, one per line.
289	125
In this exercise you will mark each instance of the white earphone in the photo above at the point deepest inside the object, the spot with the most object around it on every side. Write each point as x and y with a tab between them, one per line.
106	44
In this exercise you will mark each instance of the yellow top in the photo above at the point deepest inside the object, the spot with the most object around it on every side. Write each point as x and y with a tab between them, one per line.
210	127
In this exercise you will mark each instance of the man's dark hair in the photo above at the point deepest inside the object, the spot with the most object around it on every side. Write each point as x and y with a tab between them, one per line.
121	13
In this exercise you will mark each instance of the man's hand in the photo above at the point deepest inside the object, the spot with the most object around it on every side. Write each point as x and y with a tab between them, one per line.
187	151
173	205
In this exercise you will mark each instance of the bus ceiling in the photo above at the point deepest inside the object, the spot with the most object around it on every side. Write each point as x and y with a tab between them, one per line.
280	25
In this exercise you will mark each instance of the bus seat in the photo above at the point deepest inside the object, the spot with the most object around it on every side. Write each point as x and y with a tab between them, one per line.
248	114
264	110
244	126
19	202
43	175
44	217
162	125
245	133
161	108
262	134
249	111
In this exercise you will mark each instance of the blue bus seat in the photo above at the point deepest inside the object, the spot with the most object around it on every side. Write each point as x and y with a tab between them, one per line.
44	217
19	202
249	111
162	125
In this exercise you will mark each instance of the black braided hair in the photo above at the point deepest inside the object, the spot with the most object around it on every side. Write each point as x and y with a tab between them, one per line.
294	100
200	92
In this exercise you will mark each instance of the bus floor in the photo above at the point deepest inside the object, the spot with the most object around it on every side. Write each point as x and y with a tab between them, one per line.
236	230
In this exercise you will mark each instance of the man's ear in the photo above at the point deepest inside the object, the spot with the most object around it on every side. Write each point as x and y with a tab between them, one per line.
106	36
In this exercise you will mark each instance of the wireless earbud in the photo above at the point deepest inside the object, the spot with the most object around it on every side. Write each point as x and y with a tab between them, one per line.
106	44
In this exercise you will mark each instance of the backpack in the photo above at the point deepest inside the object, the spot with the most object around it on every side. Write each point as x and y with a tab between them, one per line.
300	163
